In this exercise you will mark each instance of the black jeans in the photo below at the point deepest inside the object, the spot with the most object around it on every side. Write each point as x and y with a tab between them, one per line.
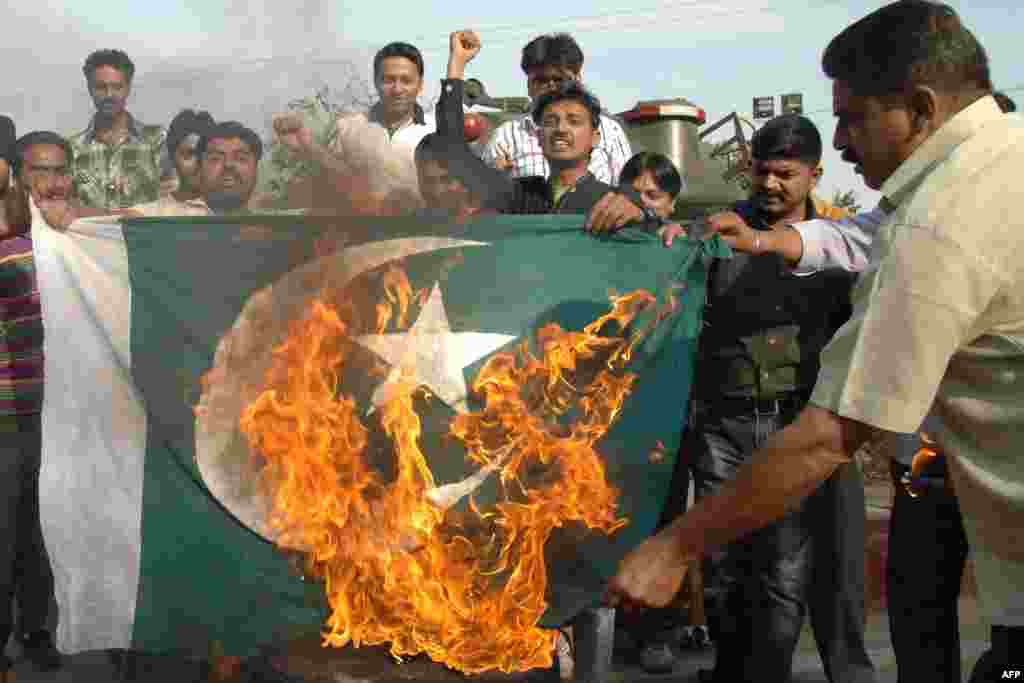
24	565
927	551
810	560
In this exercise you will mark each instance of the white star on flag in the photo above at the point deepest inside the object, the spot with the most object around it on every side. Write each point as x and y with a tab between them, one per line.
431	354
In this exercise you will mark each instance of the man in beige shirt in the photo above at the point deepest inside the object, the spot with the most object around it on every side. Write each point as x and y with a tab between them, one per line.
938	313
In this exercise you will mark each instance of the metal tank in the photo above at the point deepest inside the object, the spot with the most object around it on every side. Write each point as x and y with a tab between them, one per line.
670	127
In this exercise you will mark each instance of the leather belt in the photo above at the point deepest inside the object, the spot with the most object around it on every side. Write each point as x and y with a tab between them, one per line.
750	405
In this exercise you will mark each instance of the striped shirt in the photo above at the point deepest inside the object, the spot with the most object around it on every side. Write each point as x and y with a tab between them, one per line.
519	140
21	330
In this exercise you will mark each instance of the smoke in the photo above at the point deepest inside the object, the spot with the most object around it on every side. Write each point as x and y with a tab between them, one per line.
245	61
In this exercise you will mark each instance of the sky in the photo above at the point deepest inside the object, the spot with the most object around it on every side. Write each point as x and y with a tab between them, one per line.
247	59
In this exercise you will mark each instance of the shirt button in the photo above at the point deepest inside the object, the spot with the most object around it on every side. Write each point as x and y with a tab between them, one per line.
772	340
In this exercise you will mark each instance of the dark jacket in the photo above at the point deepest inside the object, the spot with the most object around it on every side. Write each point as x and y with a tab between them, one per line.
764	327
530	195
533	195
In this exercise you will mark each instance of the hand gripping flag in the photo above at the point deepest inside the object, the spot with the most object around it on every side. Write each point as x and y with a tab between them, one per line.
419	436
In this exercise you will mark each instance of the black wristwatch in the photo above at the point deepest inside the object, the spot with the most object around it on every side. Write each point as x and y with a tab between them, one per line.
652	218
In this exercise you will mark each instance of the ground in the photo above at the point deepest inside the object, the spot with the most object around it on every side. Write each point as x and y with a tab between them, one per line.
311	664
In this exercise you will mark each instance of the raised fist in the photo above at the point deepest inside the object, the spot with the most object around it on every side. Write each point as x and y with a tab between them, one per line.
464	45
290	129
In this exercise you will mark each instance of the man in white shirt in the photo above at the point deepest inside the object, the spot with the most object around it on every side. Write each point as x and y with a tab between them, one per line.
548	62
379	145
927	544
938	319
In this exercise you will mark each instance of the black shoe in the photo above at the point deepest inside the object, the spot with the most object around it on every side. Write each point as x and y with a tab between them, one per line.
5	663
39	649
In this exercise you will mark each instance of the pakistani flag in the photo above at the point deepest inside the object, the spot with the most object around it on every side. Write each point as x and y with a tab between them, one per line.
159	333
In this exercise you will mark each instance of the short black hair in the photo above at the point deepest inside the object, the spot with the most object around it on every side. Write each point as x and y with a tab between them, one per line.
115	58
574	91
791	137
399	49
552	49
488	185
1005	103
230	129
187	121
908	43
8	136
666	175
39	137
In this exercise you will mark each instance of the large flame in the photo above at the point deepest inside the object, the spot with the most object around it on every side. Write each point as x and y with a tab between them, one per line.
401	564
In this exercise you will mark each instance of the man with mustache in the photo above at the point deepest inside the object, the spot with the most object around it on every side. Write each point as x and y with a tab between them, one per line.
39	162
229	155
549	62
756	365
938	322
927	542
117	159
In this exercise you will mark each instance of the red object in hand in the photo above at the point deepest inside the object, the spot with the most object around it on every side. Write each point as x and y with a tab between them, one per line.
475	126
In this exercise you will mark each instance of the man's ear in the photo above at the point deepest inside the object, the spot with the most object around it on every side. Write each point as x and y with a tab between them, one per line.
816	174
924	106
596	138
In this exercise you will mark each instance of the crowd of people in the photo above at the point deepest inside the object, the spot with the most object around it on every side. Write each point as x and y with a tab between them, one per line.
822	332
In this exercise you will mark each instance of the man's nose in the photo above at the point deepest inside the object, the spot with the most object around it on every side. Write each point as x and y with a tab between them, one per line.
839	139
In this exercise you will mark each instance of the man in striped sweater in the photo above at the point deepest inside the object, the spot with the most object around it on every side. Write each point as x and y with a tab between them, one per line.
24	565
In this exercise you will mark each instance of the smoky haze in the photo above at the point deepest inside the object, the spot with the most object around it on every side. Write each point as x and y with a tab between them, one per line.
268	54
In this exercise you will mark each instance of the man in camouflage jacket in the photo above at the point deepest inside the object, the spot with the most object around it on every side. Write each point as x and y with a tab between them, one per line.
117	159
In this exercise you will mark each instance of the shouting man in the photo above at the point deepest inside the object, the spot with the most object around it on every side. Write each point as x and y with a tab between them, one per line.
549	62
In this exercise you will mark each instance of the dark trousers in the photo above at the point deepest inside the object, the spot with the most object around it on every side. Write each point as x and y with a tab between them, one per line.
24	565
810	560
927	551
1004	661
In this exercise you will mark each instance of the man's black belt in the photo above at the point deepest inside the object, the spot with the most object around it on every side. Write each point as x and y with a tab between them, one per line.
751	405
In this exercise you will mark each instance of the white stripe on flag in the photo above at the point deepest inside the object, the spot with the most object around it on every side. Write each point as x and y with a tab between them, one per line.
94	433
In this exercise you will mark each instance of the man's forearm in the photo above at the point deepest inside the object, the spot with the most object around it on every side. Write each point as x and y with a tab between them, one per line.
456	69
791	465
786	242
328	161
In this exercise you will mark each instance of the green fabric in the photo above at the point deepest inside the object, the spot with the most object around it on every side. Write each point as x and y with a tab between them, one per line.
206	577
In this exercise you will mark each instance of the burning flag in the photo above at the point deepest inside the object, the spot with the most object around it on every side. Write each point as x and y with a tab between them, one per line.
450	427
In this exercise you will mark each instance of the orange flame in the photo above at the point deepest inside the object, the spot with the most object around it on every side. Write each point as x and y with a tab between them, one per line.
401	564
